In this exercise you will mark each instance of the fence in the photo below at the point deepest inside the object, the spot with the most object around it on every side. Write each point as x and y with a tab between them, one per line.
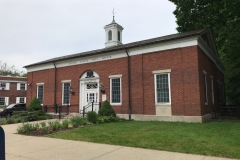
91	105
57	110
228	111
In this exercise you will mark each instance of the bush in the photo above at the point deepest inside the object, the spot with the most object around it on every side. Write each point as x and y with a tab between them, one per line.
65	124
92	117
107	119
10	121
3	121
106	110
35	105
75	121
26	128
54	126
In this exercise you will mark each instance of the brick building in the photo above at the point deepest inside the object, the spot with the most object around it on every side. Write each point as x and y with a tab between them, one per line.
12	90
173	78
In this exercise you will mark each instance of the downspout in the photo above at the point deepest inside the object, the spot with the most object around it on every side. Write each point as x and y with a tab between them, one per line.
55	86
129	86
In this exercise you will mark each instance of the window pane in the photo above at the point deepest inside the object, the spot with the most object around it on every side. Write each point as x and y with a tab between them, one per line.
2	101
162	88
40	93
22	86
66	93
116	91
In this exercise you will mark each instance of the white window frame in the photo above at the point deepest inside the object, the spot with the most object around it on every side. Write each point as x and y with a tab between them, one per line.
18	99
40	84
7	86
205	85
63	82
159	72
114	77
19	86
212	87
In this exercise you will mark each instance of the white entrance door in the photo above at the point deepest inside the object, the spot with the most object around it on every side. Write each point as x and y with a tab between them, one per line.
89	92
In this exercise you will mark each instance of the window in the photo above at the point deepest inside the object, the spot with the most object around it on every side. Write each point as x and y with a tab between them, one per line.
20	99
40	93
212	87
3	85
2	101
21	86
162	88
205	88
110	35
119	36
115	90
66	93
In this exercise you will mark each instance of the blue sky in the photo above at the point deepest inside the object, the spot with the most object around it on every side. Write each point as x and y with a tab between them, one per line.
36	30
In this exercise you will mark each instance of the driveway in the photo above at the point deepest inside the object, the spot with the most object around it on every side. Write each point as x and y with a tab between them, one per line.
19	147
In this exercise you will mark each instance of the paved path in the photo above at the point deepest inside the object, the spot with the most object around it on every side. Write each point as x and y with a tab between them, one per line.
20	147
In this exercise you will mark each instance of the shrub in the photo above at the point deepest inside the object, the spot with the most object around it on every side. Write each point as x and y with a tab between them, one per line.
107	110
26	128
54	126
3	121
43	124
65	124
92	117
75	121
10	121
107	119
35	105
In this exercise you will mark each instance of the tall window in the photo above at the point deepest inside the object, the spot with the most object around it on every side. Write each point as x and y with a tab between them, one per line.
212	87
66	93
2	101
205	88
119	36
40	93
110	35
115	92
162	88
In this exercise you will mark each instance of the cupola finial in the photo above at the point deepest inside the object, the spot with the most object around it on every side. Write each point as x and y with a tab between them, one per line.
113	12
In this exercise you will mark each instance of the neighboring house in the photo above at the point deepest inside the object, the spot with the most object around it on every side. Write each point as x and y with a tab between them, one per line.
12	90
173	78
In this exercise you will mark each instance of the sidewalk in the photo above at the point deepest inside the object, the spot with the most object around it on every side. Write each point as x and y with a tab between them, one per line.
20	147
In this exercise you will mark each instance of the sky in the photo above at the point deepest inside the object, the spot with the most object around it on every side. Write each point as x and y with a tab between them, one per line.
35	30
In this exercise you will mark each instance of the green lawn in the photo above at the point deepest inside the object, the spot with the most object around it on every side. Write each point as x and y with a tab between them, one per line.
216	138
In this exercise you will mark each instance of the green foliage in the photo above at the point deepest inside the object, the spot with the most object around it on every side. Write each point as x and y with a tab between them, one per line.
106	110
223	16
55	125
75	121
65	124
3	121
35	105
10	121
26	128
92	117
10	70
108	119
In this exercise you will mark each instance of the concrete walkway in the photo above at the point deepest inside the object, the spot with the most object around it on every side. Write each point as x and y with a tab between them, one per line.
20	147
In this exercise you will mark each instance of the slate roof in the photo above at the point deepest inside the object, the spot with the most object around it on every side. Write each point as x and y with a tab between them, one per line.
124	46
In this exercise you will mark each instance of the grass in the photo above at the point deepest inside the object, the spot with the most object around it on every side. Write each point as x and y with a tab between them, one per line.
220	139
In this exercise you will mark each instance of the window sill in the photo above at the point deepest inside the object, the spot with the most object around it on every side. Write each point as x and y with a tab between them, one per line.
116	104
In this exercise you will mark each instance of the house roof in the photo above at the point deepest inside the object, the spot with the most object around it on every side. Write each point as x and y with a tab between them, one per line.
124	46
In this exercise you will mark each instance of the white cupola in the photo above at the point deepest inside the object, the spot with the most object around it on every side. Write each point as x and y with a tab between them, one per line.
113	34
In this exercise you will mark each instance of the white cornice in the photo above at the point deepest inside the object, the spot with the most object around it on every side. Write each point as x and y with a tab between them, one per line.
161	46
13	81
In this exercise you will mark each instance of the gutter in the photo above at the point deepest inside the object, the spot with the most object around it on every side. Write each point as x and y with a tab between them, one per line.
129	86
55	86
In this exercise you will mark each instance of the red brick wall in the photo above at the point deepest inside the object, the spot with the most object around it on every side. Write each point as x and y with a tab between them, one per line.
186	66
209	67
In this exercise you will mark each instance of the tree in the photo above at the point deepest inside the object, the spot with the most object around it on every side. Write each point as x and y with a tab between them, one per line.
223	16
106	110
10	70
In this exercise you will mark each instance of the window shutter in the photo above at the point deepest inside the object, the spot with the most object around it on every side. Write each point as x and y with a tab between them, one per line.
6	101
7	86
25	99
17	99
18	86
26	86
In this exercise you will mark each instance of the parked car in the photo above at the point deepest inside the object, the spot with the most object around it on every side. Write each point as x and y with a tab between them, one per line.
8	111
